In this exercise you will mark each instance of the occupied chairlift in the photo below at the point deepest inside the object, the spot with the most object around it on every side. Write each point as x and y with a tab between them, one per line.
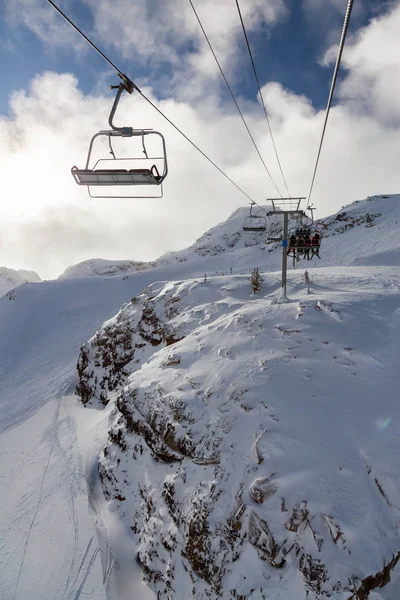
117	177
297	234
253	222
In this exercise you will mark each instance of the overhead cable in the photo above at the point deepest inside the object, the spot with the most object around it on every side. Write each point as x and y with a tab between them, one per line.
335	74
194	145
261	96
130	86
233	97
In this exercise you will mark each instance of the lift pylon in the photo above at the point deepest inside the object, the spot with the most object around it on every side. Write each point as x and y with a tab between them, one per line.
285	207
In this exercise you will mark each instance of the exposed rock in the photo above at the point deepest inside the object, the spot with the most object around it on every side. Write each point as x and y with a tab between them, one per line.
376	581
127	339
261	489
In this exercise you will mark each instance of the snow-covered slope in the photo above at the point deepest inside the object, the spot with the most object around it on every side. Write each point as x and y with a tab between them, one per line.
253	448
10	279
104	268
49	547
241	364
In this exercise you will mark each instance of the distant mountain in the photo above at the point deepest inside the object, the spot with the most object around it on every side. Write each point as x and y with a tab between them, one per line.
104	268
365	232
9	279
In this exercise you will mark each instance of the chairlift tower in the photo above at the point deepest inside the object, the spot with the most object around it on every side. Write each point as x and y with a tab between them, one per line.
285	207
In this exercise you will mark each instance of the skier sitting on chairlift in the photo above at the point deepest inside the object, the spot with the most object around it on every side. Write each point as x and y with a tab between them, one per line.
315	244
292	245
300	243
307	246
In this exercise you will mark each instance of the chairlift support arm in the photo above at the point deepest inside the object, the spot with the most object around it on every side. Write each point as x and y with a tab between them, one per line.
125	131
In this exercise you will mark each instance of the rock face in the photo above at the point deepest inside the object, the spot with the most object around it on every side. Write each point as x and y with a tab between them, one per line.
234	484
122	345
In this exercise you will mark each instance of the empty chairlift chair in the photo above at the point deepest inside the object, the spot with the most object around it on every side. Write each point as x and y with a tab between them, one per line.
254	223
107	179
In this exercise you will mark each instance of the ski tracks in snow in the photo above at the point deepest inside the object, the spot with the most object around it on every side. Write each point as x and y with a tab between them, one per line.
86	571
60	435
54	423
68	443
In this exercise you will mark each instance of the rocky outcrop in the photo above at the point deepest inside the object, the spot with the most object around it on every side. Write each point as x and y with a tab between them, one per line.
122	344
223	496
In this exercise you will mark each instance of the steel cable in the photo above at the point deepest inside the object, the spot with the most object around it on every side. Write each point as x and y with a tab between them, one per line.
232	96
335	74
261	96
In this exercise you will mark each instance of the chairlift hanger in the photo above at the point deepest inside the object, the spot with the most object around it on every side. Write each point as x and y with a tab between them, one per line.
112	177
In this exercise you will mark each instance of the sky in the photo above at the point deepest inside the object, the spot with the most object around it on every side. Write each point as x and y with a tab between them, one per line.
55	95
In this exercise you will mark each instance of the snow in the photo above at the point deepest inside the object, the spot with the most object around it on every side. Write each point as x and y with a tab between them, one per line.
289	395
363	233
9	279
318	375
104	268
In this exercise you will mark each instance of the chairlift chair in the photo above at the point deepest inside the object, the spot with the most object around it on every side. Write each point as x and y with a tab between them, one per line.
99	176
302	248
253	222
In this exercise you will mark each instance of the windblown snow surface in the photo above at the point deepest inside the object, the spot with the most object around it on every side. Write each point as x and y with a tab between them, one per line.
230	446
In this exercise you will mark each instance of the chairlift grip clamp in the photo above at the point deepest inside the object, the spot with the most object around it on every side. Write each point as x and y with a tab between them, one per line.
128	84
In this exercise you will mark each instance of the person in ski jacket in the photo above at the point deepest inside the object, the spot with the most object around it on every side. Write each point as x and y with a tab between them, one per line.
292	245
315	244
307	246
300	244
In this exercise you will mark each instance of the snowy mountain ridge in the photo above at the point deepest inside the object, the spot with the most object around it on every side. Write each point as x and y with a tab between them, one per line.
100	267
9	278
348	239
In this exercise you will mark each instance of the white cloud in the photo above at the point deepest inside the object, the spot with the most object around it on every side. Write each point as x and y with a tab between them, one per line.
40	18
48	222
162	31
154	37
373	81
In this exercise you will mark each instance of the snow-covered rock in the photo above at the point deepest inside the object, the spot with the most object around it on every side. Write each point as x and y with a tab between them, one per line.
255	455
9	279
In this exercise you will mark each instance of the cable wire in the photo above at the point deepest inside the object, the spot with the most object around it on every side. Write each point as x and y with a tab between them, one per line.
233	97
261	96
120	74
335	74
129	83
194	145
